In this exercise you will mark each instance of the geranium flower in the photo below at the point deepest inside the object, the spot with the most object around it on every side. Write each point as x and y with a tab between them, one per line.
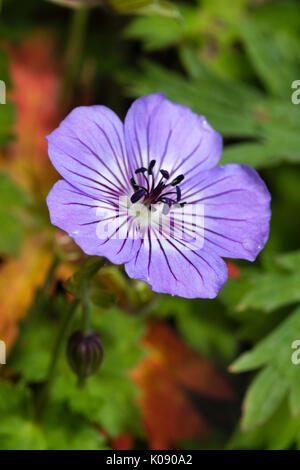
132	193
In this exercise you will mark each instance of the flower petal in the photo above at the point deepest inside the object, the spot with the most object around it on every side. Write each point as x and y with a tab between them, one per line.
236	210
97	226
88	150
169	267
179	140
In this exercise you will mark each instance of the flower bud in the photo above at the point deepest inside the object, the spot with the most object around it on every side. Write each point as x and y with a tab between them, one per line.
84	353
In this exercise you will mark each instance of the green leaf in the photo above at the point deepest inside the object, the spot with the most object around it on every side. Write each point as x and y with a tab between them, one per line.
12	195
66	431
269	291
280	15
268	49
204	96
276	347
254	154
156	32
58	429
289	261
263	397
145	7
17	430
108	397
279	432
208	336
17	433
10	238
6	120
32	354
280	375
12	199
268	125
7	113
13	397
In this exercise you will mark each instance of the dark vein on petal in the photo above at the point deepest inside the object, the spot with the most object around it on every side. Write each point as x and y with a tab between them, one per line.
125	239
112	149
115	232
187	157
108	189
219	194
166	258
81	193
137	255
103	220
188	260
137	141
166	147
100	160
208	186
123	150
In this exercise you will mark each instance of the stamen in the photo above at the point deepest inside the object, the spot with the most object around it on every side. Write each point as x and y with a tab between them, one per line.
156	193
177	180
140	170
151	165
139	194
133	183
165	173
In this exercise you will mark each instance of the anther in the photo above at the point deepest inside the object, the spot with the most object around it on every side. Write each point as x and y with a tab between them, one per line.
139	194
178	193
165	173
140	170
177	180
150	167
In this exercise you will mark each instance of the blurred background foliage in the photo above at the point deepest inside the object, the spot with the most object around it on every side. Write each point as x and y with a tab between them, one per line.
177	373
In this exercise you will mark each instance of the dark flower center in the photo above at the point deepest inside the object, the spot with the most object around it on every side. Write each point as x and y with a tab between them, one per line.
154	192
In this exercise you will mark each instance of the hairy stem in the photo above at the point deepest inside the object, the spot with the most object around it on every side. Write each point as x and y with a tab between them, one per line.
44	392
85	302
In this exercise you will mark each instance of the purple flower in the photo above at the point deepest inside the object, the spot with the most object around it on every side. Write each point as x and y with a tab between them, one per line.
148	194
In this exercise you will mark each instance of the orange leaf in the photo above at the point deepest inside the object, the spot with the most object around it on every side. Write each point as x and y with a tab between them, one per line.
19	279
35	82
169	369
123	442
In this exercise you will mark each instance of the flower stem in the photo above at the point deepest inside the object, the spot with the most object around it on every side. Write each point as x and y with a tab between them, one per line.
51	273
85	302
60	339
44	392
85	305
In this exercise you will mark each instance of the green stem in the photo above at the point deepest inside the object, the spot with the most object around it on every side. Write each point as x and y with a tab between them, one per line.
44	392
51	273
85	302
86	312
60	340
74	50
43	291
